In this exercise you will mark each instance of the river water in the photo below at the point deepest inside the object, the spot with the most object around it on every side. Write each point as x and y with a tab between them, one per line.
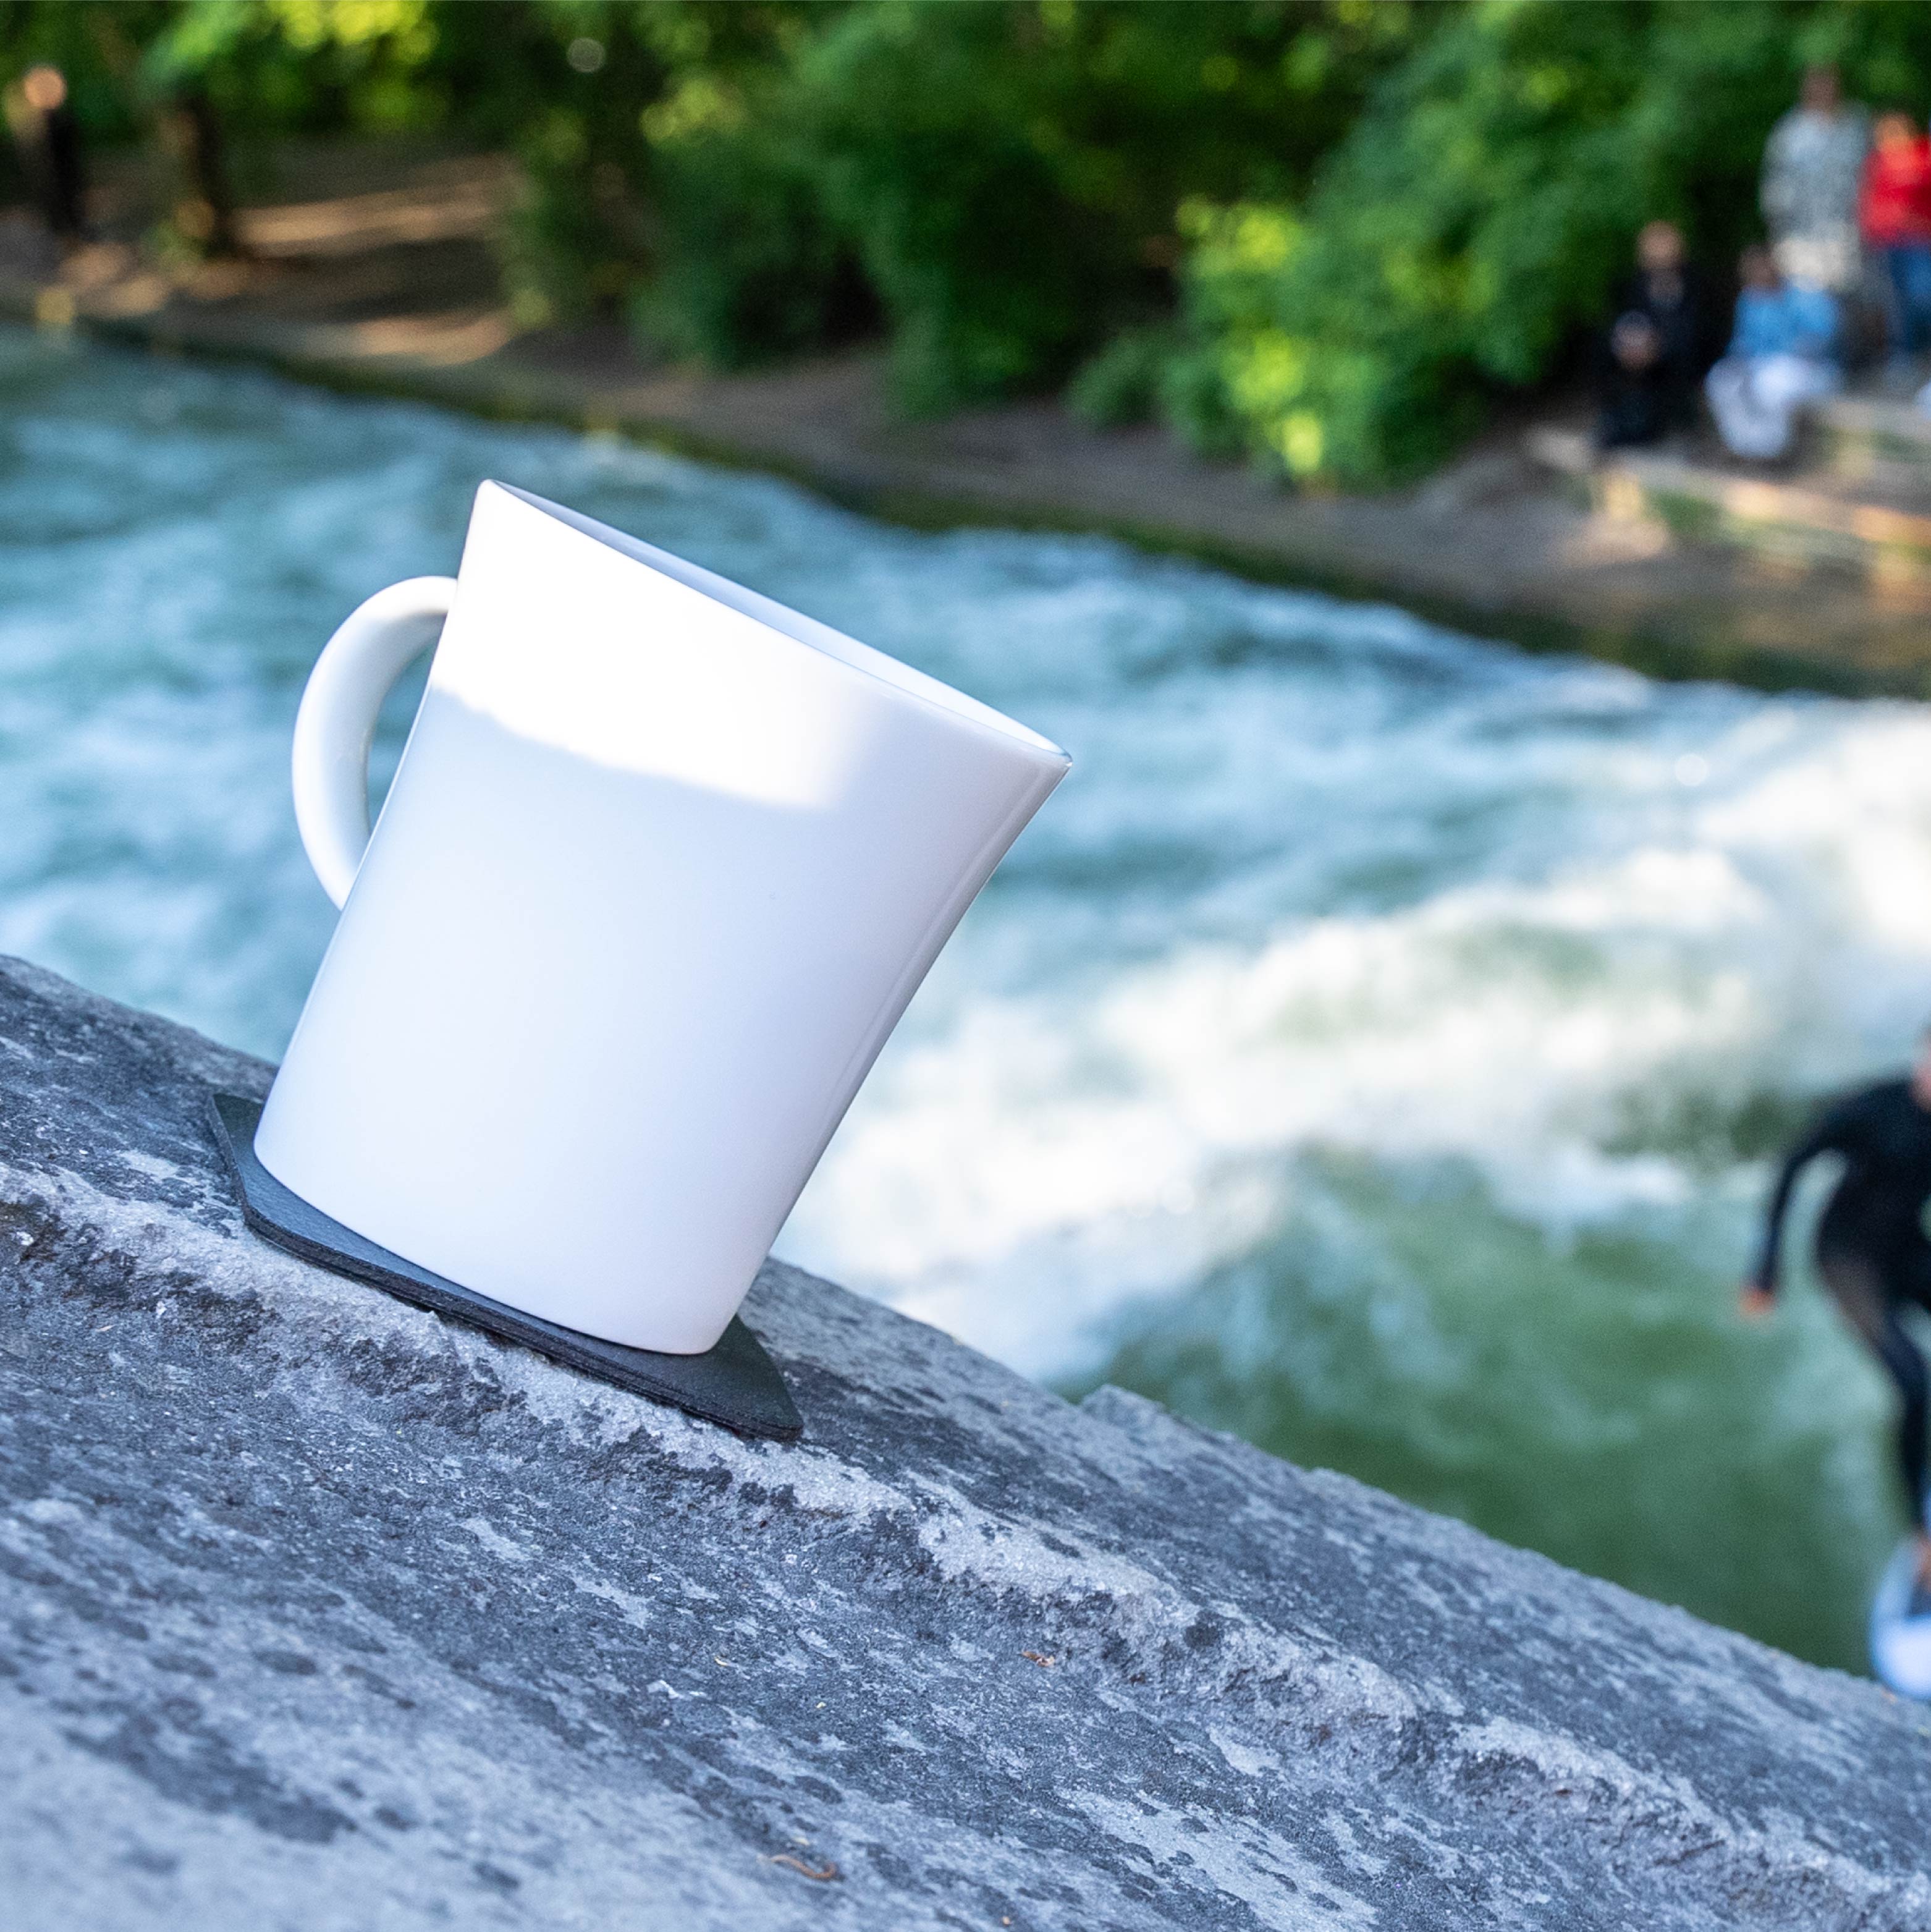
1374	1048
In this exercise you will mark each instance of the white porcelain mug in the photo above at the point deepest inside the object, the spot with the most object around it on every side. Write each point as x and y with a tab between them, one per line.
660	868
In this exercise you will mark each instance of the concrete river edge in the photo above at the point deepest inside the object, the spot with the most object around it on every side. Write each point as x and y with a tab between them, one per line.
1493	545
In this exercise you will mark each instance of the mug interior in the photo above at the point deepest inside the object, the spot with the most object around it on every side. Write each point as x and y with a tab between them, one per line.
801	629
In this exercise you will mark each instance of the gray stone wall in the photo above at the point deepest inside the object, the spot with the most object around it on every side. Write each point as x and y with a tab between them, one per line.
318	1612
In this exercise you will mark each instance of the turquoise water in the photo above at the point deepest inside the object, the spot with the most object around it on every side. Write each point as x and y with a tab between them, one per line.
1373	1048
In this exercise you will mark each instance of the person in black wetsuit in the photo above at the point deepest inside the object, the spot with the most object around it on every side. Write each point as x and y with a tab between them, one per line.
1872	1250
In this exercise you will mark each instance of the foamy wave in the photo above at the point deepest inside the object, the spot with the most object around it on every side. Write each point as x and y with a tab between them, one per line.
1120	1140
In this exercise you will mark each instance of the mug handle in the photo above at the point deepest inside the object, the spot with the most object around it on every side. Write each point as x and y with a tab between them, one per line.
336	721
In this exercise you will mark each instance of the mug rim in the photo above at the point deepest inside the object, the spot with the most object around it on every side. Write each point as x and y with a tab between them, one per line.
866	661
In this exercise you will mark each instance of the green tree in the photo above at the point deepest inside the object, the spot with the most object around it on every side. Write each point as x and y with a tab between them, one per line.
1007	175
997	182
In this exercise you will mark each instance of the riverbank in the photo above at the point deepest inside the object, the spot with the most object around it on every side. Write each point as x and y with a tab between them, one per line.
375	273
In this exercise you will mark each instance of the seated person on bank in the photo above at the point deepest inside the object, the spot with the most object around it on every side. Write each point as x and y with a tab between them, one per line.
1784	354
1647	374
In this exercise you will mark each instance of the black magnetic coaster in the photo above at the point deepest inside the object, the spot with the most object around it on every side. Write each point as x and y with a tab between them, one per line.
735	1383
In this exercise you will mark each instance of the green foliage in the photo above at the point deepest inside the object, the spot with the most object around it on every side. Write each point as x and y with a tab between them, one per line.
1123	384
649	186
281	63
747	265
923	123
1322	231
1007	175
577	235
1482	206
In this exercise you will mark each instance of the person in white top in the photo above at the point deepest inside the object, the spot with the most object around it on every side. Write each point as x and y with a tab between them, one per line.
1812	167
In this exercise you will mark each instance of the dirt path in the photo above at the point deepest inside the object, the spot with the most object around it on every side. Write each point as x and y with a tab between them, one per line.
373	271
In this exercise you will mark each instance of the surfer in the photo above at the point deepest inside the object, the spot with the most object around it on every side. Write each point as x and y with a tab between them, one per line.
1872	1251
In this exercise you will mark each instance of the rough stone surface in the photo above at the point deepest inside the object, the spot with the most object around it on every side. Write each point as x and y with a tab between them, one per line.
317	1612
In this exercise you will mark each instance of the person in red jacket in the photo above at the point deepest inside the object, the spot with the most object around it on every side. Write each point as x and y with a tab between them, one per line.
1894	212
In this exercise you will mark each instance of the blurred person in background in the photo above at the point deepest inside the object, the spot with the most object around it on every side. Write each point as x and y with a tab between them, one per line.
1782	354
1812	170
1652	355
48	137
1894	216
1872	1254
